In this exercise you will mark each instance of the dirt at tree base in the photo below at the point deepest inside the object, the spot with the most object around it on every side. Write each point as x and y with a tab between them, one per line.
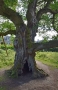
27	83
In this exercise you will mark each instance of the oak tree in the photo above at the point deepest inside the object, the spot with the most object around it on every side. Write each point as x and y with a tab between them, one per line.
37	13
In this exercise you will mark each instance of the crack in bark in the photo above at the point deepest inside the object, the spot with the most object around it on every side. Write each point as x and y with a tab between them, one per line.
20	43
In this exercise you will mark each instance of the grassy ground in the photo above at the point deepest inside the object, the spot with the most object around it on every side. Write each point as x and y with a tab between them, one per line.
49	58
4	59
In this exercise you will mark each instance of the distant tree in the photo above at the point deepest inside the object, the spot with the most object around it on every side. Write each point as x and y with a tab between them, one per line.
37	13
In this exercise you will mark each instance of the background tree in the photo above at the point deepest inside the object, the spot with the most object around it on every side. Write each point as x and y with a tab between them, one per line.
37	13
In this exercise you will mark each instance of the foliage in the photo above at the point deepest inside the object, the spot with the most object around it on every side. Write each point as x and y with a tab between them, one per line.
6	25
11	3
45	39
34	12
21	6
46	22
8	47
55	37
54	5
12	39
56	22
52	49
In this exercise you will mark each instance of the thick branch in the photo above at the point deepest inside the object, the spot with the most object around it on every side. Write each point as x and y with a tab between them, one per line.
53	23
45	10
10	14
31	11
8	32
47	45
31	17
48	3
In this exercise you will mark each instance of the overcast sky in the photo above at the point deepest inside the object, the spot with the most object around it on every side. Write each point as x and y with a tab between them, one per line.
48	33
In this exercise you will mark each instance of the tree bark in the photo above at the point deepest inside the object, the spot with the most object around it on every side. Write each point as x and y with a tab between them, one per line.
46	45
10	14
24	52
24	40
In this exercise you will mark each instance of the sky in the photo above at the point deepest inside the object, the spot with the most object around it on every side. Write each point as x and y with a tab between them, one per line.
48	33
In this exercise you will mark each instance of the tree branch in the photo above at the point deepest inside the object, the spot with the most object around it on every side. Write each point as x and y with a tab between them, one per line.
8	32
10	14
31	18
53	22
31	11
45	10
47	45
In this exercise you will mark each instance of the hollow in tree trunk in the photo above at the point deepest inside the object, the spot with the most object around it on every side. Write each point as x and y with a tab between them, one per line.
25	55
24	41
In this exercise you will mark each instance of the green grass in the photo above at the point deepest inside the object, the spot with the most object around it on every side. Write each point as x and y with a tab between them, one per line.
49	58
6	60
8	46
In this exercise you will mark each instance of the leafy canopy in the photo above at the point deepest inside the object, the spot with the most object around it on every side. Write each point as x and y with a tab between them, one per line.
11	3
21	6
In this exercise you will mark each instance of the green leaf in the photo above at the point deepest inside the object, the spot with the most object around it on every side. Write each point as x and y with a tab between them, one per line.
11	3
54	5
7	25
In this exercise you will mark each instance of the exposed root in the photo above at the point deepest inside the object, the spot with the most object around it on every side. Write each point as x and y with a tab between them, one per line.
39	74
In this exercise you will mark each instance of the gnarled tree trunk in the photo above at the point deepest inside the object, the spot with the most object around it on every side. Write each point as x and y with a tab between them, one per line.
24	41
25	56
25	53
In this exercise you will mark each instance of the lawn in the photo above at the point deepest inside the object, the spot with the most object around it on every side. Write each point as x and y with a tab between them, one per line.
4	59
49	58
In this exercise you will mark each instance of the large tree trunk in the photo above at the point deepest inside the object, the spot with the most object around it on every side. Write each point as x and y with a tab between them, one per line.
23	44
24	58
25	55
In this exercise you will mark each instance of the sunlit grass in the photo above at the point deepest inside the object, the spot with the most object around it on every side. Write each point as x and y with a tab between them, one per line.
6	60
49	58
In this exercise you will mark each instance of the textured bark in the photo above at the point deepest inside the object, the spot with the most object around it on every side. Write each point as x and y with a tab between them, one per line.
24	40
10	14
22	45
46	45
32	20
